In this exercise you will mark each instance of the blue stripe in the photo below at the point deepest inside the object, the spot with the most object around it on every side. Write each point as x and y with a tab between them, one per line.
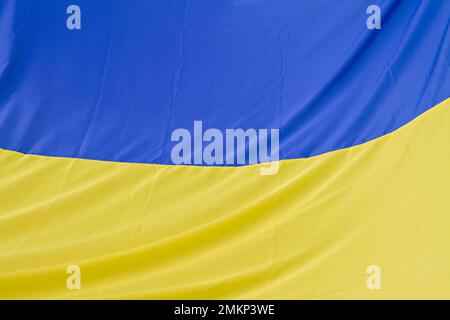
137	70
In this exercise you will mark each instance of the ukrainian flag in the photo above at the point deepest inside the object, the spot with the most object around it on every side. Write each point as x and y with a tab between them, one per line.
91	92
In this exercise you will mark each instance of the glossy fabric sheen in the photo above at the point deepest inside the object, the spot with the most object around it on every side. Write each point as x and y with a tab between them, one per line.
137	70
158	231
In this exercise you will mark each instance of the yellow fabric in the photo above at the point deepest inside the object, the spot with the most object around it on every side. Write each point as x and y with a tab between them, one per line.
310	231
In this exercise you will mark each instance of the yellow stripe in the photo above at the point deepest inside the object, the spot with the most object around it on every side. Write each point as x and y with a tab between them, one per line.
310	231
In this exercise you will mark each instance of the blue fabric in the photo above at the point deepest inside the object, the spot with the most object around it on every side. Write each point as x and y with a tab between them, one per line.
137	70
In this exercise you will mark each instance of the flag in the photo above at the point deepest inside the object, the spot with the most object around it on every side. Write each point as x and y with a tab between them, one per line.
227	149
